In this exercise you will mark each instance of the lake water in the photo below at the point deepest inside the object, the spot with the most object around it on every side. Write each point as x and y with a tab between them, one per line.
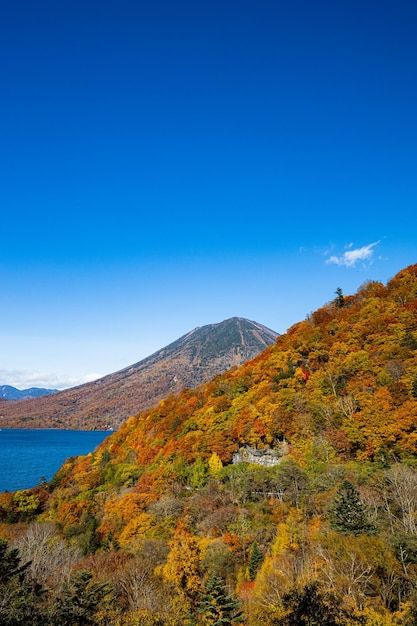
28	455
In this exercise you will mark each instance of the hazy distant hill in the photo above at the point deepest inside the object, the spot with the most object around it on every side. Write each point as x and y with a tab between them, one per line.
193	359
7	392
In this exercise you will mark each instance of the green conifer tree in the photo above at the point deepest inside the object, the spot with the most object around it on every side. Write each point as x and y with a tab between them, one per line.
347	514
339	301
89	540
21	598
80	600
255	559
216	607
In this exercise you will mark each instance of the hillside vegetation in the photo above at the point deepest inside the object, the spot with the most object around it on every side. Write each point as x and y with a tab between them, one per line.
172	521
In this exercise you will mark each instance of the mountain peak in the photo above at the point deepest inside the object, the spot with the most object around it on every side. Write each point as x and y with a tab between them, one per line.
193	359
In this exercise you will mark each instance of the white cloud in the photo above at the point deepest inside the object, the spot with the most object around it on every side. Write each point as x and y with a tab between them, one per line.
24	379
352	256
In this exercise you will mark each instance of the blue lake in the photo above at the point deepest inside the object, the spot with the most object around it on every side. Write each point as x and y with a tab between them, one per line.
28	455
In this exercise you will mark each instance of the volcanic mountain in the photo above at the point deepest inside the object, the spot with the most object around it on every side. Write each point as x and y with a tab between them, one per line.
189	361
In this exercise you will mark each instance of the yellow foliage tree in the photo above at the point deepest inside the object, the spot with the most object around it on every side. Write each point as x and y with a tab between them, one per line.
290	534
136	528
215	464
181	569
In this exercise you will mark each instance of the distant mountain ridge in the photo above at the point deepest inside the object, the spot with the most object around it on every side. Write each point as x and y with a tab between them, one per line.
191	360
7	392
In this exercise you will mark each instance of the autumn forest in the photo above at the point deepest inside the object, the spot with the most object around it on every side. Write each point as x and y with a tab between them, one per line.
282	492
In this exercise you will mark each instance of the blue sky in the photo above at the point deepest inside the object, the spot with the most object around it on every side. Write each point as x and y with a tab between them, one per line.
166	165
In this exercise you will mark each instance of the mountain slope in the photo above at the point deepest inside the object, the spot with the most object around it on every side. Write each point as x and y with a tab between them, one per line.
347	375
343	381
189	361
7	392
308	452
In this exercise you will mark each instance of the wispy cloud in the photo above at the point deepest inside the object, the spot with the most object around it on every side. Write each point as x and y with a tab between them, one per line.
352	256
24	379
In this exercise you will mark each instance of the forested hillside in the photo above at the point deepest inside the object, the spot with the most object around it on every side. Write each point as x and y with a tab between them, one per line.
282	492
